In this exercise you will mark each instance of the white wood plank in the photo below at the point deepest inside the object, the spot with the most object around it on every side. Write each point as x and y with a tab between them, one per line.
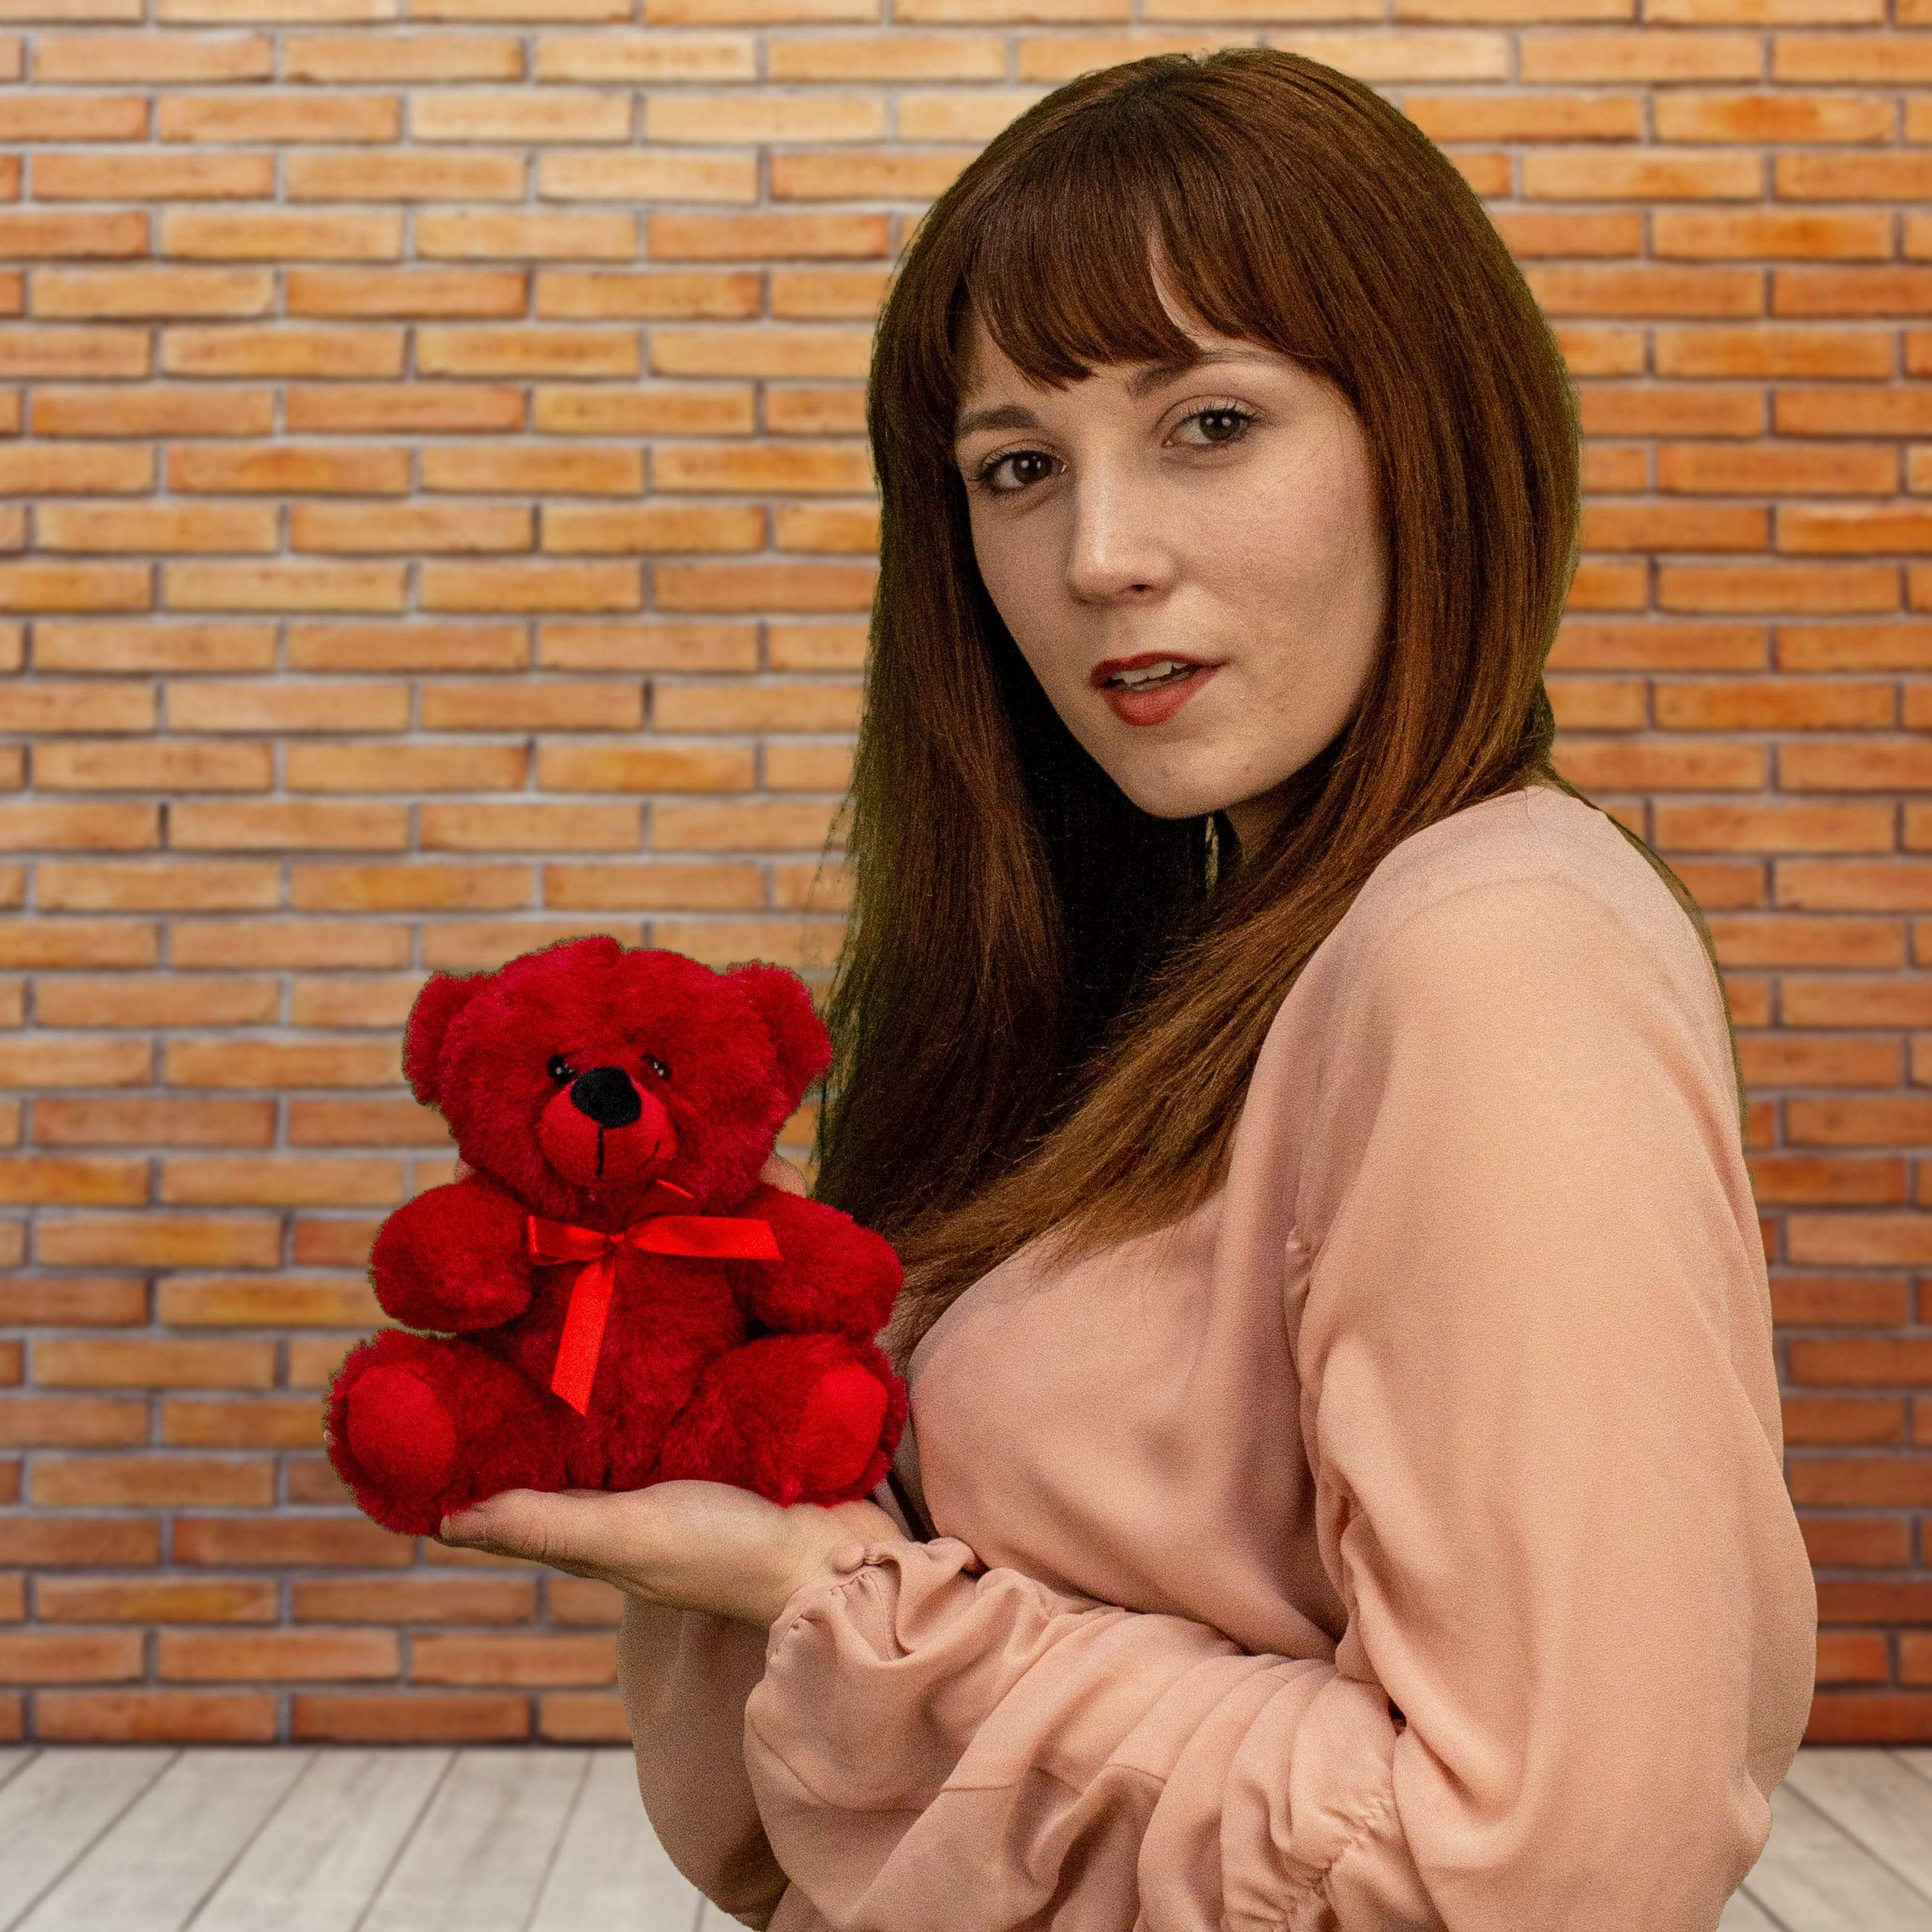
1814	1878
480	1853
161	1858
610	1873
1875	1800
14	1758
315	1865
53	1809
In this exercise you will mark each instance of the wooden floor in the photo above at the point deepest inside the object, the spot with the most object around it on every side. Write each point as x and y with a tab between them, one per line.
293	1838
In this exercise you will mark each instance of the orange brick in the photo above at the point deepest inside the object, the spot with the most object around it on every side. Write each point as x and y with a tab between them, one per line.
231	1656
414	1600
550	704
136	1717
491	585
280	1064
73	1301
447	887
358	1123
74	1180
288	468
134	1362
438	1657
204	885
161	178
151	644
46	705
343	55
34	1422
294	1423
337	1242
285	942
70	1656
93	57
268	704
274	114
283	825
148	1482
302	1180
413	769
100	1060
645	767
47	942
360	1002
32	827
108	764
284	1299
412	646
48	469
143	1001
546	828
480	946
172	1599
158	1240
136	1121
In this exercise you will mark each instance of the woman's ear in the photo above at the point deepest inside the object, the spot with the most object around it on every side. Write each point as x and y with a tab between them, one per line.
442	997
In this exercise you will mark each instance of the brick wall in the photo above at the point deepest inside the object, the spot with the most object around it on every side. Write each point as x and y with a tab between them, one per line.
435	519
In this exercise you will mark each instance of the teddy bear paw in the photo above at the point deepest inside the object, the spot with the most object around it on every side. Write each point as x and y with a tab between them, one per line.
840	1427
400	1433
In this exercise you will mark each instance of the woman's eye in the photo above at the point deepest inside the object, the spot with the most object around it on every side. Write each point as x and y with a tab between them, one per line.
558	1068
982	478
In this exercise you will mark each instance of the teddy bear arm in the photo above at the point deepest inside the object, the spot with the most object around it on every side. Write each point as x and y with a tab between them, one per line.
451	1259
834	1275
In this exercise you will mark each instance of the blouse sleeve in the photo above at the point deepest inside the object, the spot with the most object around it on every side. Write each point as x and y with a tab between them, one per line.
1540	1406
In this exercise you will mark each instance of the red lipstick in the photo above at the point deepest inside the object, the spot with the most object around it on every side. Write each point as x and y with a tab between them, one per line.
1155	704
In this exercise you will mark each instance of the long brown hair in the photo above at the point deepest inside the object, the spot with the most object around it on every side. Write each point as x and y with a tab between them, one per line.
1047	1002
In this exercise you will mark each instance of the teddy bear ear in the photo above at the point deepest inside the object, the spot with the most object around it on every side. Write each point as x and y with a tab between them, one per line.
784	1000
443	996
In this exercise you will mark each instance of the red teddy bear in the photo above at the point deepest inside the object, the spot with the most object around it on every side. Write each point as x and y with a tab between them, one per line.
624	1301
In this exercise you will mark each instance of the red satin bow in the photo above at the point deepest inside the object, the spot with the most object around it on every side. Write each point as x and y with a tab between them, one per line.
730	1237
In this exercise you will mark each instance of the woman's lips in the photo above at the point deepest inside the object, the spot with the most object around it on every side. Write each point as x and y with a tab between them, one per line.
1155	706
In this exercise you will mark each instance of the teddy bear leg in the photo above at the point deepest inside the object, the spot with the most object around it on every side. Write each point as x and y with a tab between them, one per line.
798	1418
417	1427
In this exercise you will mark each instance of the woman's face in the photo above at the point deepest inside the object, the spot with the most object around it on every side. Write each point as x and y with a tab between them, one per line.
1109	523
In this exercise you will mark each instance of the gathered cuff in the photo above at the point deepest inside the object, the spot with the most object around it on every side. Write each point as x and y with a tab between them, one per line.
945	1554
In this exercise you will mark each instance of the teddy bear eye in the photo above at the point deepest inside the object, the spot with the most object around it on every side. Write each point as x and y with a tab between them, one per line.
558	1068
664	1072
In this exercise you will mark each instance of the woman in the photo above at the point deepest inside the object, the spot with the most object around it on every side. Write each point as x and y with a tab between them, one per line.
1351	1487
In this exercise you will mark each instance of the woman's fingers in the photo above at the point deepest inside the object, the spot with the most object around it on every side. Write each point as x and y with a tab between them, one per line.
779	1172
569	1529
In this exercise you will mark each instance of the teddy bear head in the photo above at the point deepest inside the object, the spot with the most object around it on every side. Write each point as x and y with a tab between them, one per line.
578	1075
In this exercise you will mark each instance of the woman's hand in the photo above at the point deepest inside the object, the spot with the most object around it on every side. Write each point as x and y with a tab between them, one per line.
692	1545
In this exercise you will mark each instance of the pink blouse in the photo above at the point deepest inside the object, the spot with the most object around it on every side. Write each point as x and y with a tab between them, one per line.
1398	1541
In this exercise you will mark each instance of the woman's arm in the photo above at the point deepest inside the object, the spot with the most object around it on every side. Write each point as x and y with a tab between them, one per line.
684	1676
1543	1418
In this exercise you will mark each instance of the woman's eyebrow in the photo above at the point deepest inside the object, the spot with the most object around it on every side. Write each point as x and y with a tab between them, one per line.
1017	415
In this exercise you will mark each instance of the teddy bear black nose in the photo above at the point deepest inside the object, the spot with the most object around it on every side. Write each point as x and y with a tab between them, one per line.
606	1095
